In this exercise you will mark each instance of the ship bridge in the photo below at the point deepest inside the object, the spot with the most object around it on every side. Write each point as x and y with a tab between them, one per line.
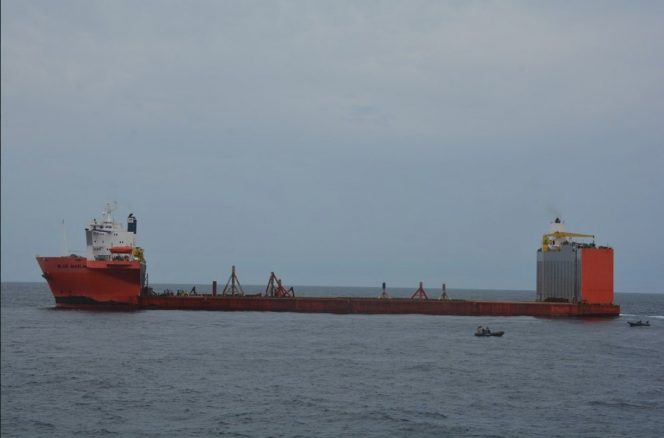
109	240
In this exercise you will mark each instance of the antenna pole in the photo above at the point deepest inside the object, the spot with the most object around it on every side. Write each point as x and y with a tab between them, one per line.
65	242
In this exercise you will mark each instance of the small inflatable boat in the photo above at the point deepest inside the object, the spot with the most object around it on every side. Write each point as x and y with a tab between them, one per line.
484	331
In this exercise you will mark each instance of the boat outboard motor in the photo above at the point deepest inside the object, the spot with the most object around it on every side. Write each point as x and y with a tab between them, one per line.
132	222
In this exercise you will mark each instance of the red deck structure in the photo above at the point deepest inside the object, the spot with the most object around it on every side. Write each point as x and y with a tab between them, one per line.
353	305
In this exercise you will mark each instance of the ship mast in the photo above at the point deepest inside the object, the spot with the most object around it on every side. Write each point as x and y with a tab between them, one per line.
108	210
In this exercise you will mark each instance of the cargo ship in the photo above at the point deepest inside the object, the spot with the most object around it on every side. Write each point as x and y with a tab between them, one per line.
112	273
574	279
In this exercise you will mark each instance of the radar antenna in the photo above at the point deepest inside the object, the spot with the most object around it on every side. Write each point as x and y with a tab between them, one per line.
108	209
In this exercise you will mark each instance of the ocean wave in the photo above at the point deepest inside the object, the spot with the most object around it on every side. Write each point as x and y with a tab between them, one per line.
619	403
641	315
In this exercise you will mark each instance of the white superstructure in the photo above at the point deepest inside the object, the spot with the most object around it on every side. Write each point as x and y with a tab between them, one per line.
108	240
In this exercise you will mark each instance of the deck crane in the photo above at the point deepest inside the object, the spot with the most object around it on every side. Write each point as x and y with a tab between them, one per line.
557	234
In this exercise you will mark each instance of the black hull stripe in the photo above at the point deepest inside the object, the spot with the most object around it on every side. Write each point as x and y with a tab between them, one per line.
80	302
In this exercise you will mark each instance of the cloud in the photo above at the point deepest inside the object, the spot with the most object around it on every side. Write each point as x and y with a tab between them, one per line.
394	129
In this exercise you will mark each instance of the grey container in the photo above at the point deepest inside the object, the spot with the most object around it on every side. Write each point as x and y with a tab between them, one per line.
559	274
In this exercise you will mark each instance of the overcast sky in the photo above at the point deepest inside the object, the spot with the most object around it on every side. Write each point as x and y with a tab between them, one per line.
336	143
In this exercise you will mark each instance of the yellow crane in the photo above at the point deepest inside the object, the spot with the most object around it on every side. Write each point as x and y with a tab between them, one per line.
138	253
559	235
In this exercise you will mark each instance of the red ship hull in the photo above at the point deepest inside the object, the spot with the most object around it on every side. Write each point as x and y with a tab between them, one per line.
78	282
348	305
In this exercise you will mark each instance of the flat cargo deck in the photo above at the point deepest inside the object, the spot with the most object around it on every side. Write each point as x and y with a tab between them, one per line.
355	305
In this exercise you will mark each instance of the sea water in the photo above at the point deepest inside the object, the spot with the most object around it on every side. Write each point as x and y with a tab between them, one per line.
251	374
